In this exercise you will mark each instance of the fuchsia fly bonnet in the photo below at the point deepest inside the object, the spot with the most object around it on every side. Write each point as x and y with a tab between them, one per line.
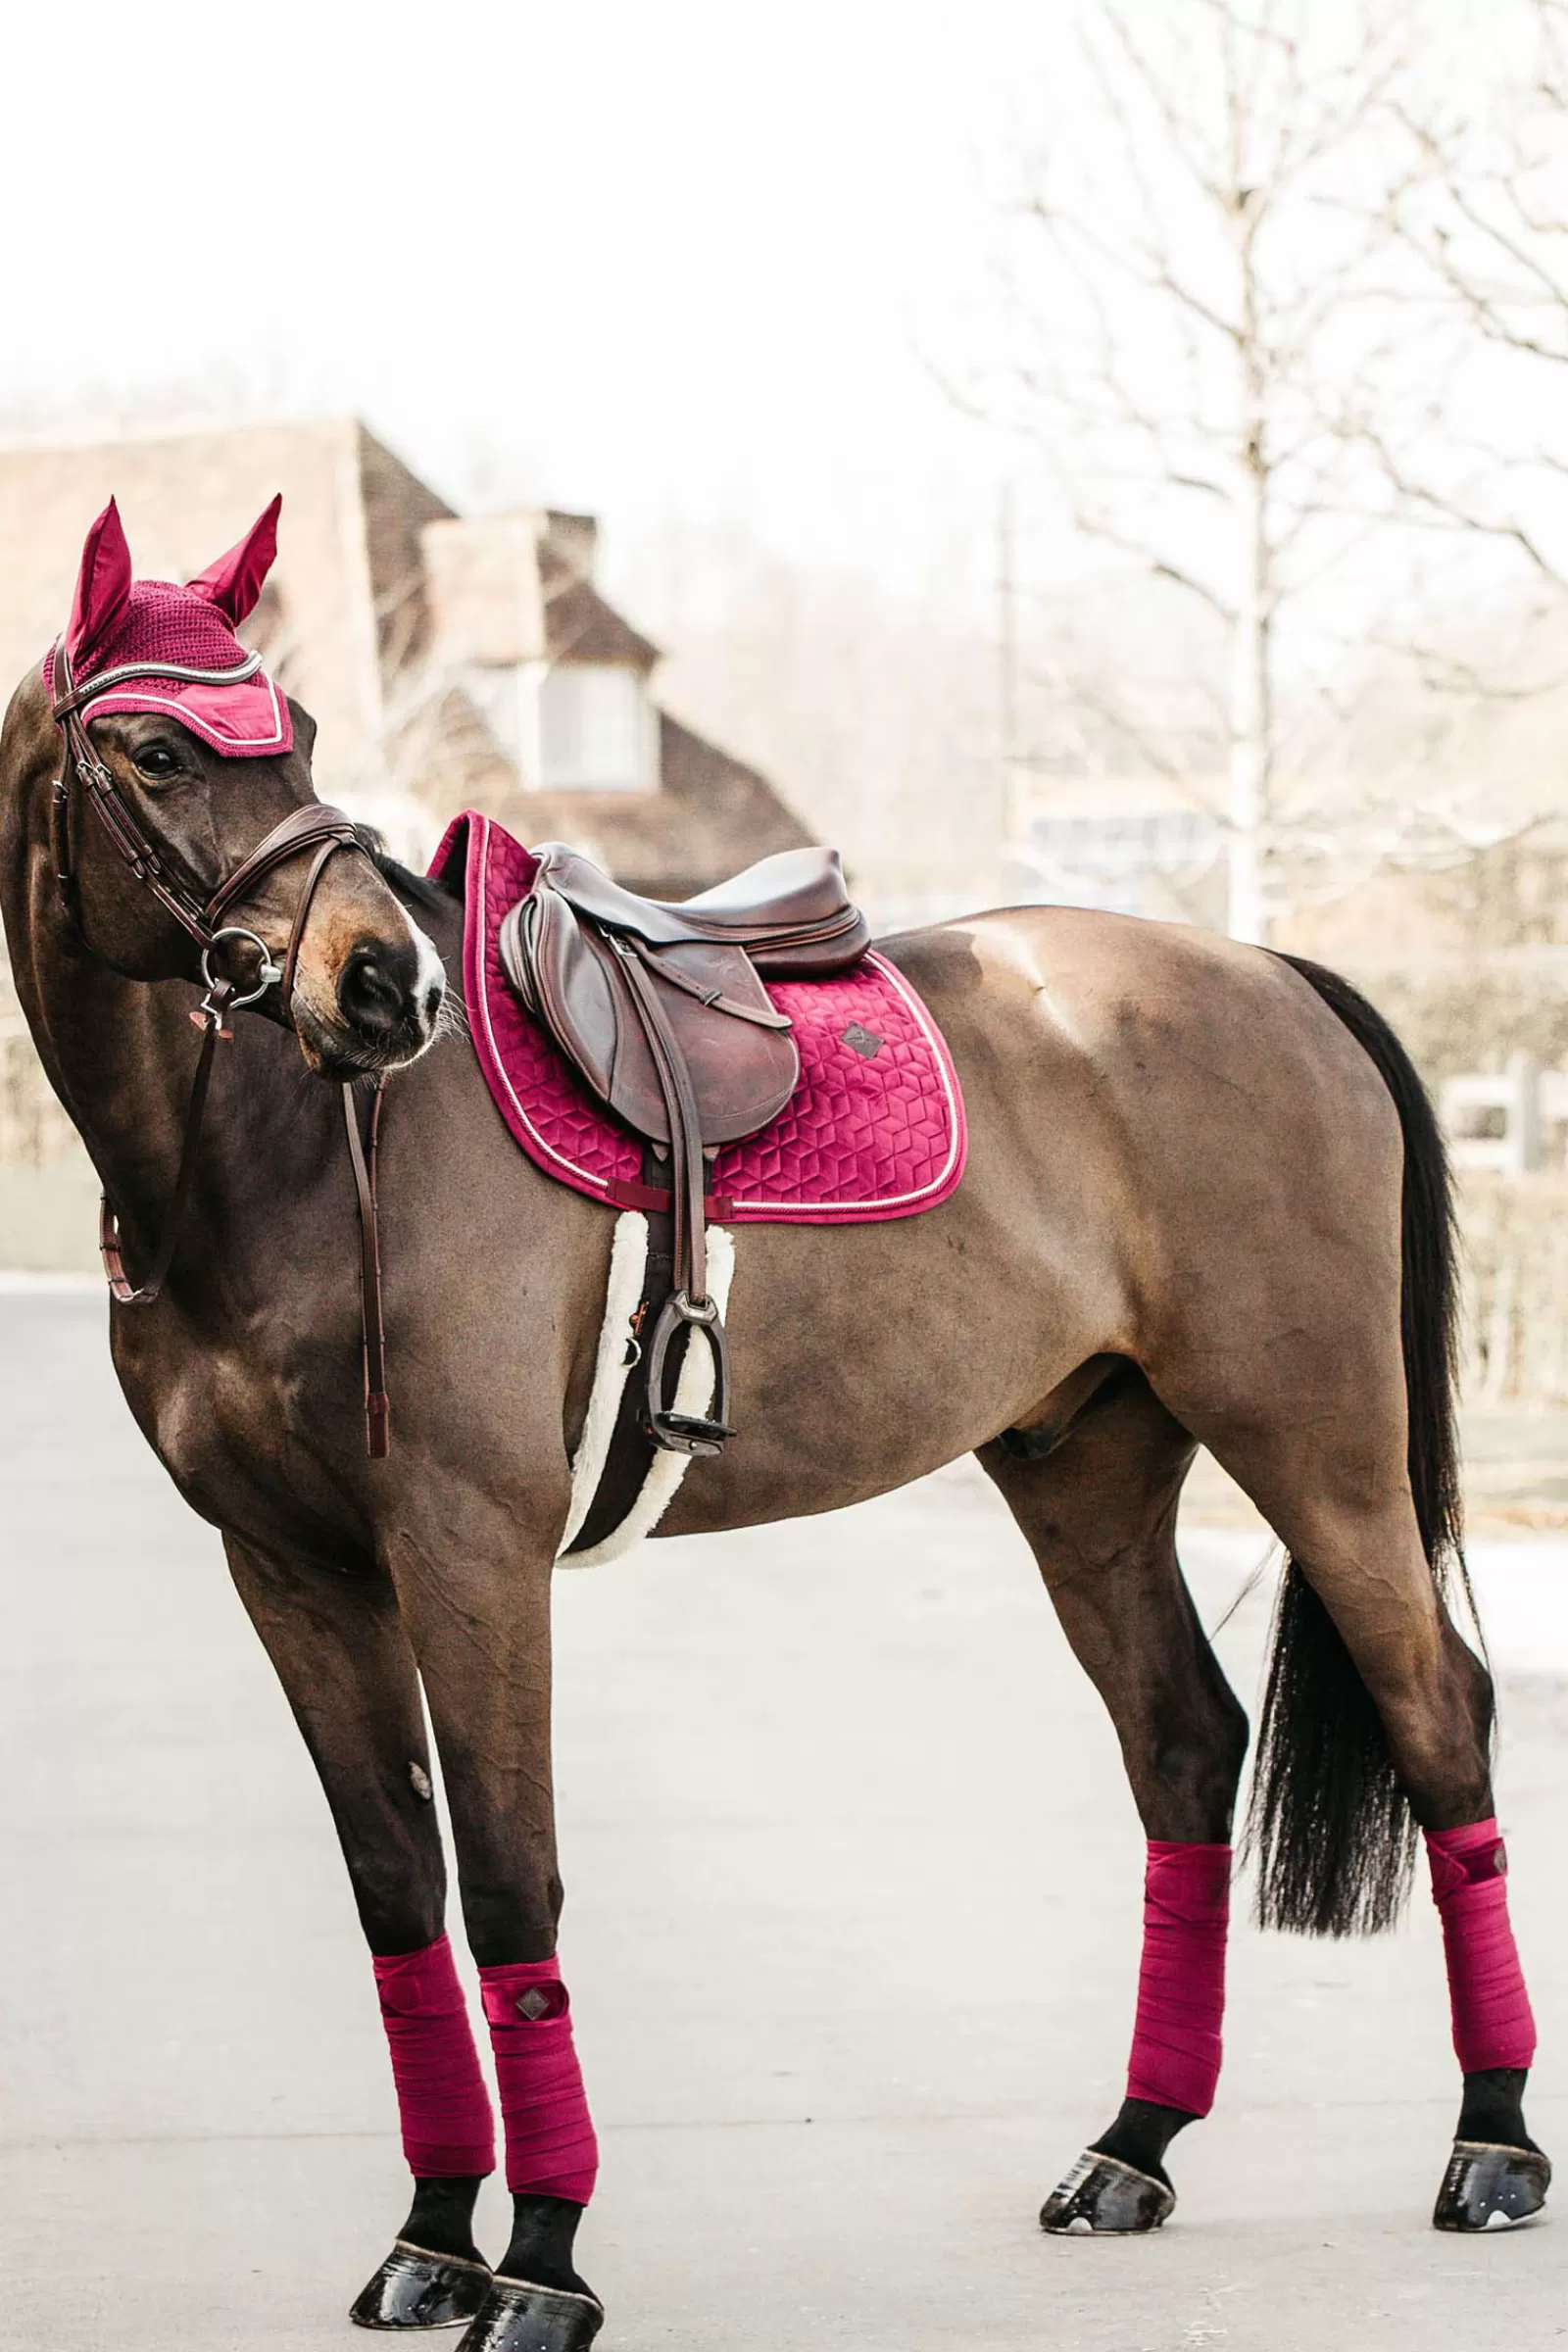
212	684
153	645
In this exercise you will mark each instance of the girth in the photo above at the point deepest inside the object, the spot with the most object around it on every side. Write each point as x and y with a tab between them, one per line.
316	828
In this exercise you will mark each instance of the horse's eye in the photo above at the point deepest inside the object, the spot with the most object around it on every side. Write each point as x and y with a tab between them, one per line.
157	762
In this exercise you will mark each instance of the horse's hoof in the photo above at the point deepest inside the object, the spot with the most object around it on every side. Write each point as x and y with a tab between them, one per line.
1487	2187
519	2318
416	2289
1102	2197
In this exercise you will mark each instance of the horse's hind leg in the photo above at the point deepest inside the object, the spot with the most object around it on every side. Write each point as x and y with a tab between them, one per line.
336	1642
1098	1505
1376	1709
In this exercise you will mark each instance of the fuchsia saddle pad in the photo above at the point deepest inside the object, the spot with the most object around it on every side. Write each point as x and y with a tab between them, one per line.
875	1128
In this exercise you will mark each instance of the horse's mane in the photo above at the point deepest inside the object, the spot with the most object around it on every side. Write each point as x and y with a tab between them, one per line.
414	890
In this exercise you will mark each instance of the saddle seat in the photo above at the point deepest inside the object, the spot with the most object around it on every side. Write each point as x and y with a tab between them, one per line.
660	1009
791	913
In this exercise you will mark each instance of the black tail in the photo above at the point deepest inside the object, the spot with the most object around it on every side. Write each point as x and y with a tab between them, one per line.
1328	1820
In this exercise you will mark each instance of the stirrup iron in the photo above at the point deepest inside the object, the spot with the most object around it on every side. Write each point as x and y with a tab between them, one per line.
701	1435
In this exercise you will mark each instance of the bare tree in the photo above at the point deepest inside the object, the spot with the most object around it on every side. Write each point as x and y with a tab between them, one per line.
1481	209
1206	286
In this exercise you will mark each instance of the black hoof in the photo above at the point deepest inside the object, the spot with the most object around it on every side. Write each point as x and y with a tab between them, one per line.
1102	2197
416	2290
519	2318
1487	2187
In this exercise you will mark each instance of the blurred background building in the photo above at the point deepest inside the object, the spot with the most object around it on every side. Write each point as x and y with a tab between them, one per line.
450	663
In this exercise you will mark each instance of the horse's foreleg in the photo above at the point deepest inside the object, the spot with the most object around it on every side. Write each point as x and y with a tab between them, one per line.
1099	1509
483	1634
340	1651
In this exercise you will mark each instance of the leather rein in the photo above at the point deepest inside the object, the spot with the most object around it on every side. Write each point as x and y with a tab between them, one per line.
316	828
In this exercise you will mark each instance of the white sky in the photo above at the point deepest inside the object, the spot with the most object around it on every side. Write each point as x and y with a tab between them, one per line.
670	261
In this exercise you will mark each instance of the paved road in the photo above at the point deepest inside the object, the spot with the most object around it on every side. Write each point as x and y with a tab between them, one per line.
852	1920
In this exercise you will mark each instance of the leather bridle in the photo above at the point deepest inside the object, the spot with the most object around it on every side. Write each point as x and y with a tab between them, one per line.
316	828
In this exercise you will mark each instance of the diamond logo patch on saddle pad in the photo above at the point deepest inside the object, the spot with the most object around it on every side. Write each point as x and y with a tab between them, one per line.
875	1129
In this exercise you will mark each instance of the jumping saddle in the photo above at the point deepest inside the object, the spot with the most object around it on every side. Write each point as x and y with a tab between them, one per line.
660	1009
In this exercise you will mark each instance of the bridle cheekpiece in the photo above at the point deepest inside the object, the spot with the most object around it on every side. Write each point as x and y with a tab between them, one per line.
315	830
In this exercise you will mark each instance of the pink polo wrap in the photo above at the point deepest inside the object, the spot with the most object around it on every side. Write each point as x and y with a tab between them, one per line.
448	2131
1493	2023
551	2147
1181	1985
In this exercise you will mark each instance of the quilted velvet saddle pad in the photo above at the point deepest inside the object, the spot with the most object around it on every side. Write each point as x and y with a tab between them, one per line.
875	1128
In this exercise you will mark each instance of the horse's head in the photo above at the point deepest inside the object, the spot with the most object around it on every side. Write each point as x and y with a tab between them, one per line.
192	758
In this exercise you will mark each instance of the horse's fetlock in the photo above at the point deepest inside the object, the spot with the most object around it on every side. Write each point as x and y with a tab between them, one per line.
441	2217
1492	2107
541	2249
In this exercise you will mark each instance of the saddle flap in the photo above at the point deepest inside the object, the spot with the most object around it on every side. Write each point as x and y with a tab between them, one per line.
567	988
565	971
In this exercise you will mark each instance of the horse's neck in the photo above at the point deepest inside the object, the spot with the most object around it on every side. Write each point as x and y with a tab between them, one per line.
122	1054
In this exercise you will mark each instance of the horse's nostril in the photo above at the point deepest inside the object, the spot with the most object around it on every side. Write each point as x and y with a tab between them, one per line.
374	994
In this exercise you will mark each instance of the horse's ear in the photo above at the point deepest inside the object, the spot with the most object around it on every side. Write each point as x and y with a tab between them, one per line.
102	584
234	581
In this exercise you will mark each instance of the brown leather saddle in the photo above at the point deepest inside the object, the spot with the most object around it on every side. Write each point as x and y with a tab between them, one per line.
660	1009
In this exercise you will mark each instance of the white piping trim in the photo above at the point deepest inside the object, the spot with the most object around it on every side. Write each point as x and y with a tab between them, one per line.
629	1264
693	1394
130	697
122	670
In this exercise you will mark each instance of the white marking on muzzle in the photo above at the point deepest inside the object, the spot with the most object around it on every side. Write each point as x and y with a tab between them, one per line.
431	971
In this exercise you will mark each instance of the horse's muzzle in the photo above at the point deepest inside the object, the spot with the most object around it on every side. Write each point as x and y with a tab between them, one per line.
379	991
389	997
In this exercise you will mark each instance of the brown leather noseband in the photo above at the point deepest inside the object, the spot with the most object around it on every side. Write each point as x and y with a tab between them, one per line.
316	828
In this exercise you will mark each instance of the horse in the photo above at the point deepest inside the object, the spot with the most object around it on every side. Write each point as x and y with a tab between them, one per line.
1206	1204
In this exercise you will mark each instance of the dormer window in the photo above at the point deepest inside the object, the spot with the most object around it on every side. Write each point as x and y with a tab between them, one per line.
552	683
597	730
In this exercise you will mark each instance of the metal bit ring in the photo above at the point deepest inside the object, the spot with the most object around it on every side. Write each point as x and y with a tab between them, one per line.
268	971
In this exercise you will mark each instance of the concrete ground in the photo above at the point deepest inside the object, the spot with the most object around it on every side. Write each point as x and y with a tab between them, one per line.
852	1928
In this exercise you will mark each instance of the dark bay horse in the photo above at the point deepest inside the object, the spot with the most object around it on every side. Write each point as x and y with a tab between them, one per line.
1204	1204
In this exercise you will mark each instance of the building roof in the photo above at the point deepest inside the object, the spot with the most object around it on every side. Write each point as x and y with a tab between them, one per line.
387	614
397	506
579	626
